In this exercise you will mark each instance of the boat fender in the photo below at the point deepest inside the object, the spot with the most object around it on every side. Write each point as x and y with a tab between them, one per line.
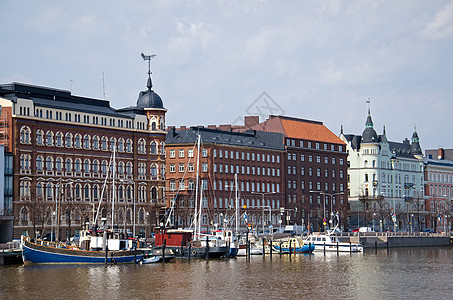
194	252
113	261
176	251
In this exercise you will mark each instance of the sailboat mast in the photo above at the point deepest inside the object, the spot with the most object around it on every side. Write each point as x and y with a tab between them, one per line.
113	185
236	202
196	187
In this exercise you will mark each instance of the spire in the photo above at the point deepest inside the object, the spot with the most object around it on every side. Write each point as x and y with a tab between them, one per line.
369	121
341	129
416	150
149	84
384	130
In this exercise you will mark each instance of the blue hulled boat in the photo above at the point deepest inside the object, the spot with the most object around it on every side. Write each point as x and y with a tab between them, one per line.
52	253
295	245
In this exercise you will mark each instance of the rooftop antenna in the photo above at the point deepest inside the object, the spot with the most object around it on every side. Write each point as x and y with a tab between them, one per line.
148	58
70	85
103	85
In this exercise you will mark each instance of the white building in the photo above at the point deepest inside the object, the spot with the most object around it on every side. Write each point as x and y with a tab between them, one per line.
384	177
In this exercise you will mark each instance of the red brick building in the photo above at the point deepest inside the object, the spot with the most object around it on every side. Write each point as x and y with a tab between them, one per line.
62	145
314	169
257	159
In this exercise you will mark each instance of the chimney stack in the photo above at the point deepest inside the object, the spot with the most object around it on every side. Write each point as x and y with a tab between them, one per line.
441	153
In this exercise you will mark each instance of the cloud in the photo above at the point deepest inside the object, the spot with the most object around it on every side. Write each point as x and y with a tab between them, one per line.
442	25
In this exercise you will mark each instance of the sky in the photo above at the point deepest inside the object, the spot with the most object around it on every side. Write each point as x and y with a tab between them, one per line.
218	61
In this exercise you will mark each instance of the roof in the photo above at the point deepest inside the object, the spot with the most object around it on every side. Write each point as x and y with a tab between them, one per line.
250	138
58	99
299	129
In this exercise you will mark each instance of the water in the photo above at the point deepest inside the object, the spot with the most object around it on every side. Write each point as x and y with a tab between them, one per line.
399	274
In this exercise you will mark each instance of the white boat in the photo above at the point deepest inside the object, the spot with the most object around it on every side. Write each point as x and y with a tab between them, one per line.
329	242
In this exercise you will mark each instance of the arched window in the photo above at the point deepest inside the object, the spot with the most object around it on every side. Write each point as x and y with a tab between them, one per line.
68	165
121	168
39	189
68	140
59	139
95	192
121	145
153	126
104	167
141	146
58	164
49	138
112	143
25	135
104	143
23	214
39	137
86	166
129	145
49	163
153	170
153	148
39	162
77	164
141	215
153	193
86	141
86	192
95	166
129	168
77	191
78	141
95	142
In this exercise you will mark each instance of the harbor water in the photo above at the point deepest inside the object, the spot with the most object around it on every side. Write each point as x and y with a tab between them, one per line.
399	273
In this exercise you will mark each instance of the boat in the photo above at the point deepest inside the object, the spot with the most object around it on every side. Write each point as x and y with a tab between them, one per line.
181	242
254	250
42	252
106	246
293	245
156	256
329	242
191	242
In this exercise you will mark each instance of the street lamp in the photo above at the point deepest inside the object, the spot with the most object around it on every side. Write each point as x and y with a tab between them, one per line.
264	206
133	199
374	214
331	204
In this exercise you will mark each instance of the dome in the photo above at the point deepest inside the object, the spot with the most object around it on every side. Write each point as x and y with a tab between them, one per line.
369	135
149	99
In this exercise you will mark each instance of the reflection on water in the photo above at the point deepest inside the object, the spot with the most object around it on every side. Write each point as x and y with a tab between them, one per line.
400	273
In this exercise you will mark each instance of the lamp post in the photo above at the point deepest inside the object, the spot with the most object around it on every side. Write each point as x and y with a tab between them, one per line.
331	205
374	214
264	206
133	200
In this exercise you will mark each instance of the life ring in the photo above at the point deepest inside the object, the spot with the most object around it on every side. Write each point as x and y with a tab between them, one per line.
194	252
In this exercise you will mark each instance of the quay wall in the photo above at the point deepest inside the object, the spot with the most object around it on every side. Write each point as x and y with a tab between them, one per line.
372	240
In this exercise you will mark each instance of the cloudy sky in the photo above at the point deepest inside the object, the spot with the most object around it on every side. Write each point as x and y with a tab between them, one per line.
220	60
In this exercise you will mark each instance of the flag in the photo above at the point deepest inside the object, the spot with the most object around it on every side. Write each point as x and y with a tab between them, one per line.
245	217
439	218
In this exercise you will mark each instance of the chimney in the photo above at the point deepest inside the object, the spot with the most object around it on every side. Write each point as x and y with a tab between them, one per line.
226	127
441	153
212	127
250	121
182	128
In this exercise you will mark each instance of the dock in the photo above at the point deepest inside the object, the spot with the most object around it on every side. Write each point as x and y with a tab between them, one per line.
10	253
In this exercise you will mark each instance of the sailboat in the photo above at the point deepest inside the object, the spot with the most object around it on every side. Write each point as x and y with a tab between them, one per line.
190	242
98	247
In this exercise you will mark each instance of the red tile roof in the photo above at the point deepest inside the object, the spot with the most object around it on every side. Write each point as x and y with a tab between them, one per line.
299	129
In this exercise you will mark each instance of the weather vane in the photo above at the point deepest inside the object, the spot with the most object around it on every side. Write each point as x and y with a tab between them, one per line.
148	58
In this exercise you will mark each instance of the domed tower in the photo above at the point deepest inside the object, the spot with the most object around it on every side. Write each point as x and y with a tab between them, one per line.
151	103
369	135
416	150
